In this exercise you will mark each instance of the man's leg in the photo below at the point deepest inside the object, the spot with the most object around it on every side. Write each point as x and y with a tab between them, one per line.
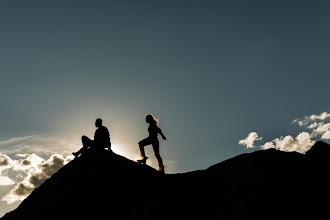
86	141
86	144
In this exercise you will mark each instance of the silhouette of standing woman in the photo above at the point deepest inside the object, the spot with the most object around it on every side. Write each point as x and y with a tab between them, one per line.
152	139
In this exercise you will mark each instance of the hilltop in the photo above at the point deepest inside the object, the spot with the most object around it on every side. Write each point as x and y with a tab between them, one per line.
264	183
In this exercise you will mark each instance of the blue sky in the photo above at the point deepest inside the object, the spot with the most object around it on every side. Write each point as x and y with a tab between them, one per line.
212	72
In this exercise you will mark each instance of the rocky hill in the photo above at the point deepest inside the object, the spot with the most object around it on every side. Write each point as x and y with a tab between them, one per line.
265	183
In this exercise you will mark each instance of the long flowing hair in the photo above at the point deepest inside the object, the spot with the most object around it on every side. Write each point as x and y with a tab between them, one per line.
151	119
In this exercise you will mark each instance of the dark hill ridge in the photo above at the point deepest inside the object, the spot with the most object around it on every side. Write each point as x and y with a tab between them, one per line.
265	183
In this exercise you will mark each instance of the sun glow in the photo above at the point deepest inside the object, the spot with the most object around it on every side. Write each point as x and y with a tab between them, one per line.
123	151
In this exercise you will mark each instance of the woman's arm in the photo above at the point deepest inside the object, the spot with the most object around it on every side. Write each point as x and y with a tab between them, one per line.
161	134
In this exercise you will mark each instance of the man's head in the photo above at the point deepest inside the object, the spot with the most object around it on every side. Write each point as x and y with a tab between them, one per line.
98	123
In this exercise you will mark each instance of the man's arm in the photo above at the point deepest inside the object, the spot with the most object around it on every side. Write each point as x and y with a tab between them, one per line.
107	137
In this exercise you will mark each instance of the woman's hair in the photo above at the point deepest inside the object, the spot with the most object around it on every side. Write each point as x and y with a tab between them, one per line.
151	119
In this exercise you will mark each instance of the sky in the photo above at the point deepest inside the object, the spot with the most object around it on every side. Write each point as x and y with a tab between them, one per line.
223	78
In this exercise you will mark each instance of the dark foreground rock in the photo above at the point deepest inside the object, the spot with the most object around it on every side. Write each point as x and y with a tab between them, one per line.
265	183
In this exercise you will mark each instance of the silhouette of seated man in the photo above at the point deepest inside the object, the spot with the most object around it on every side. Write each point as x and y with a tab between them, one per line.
101	139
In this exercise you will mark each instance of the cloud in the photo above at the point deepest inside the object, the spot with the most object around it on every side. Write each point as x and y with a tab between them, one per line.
250	139
28	161
316	124
5	180
301	143
326	135
15	140
322	116
5	163
307	119
320	129
22	160
42	145
38	170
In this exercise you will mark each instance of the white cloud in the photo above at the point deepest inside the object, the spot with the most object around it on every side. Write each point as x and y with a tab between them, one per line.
19	193
38	170
250	139
320	129
29	161
322	116
307	119
314	125
301	143
5	163
5	180
30	151
301	122
326	135
23	166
